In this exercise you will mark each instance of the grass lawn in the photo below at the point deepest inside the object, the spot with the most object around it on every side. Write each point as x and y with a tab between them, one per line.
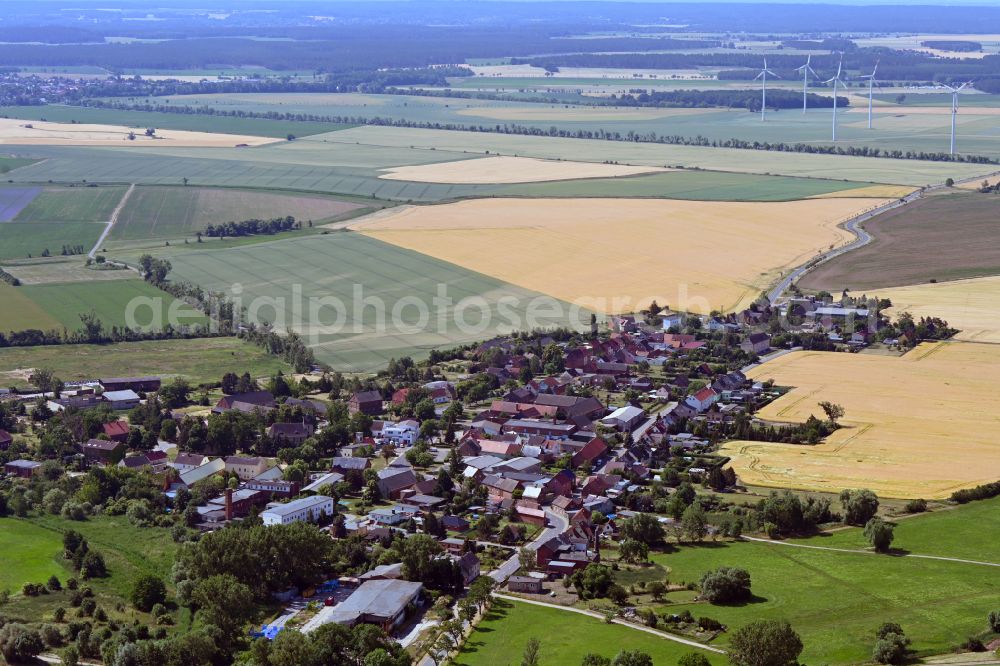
836	601
18	240
966	532
128	552
200	360
21	313
111	301
72	204
565	638
31	554
8	164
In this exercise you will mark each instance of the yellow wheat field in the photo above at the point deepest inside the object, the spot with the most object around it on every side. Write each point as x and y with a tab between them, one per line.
921	425
616	255
42	133
969	305
876	191
976	183
499	169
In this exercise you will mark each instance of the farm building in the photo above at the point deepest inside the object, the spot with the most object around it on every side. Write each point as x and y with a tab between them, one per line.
23	468
382	602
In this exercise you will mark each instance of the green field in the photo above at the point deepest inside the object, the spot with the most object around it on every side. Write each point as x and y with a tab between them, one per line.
20	312
18	240
861	169
179	212
565	637
31	554
76	204
338	265
8	164
894	129
836	600
200	360
694	185
108	299
174	121
969	532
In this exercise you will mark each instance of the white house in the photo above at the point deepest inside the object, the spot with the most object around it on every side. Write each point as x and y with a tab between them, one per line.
671	319
703	399
403	433
306	508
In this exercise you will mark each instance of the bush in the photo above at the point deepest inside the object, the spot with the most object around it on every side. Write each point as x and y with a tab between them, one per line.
70	656
994	620
52	636
54	584
147	592
19	644
973	644
916	506
726	585
59	614
891	645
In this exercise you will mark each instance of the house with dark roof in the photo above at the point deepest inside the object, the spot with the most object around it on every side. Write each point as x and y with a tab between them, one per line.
6	439
185	462
145	384
246	402
103	451
365	402
392	481
155	460
345	464
756	343
291	434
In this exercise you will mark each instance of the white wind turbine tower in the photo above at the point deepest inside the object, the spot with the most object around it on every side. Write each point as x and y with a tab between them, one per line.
805	69
954	109
763	87
835	80
871	84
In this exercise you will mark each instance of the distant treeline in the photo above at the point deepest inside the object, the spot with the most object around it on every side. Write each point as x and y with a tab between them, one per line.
830	44
522	130
253	227
893	65
342	48
953	45
733	99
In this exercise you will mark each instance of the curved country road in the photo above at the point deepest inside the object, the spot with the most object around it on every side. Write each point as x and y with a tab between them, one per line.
862	238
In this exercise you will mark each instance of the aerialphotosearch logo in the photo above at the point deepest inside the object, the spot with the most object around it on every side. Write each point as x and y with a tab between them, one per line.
446	312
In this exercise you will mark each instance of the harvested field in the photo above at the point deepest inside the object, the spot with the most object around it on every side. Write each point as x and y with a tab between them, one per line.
901	438
42	133
940	237
974	185
177	212
875	191
615	255
510	170
14	199
969	305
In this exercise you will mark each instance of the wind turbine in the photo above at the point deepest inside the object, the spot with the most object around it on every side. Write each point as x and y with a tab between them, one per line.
836	79
763	88
871	83
954	109
805	69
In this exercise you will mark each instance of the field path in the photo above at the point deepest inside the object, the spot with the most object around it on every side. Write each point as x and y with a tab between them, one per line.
600	616
111	222
870	552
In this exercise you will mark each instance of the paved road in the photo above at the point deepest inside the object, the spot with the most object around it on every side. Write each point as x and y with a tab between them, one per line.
871	552
862	238
559	524
600	616
769	357
111	222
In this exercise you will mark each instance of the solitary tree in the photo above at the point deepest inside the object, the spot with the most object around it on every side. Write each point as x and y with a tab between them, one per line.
833	411
530	657
765	643
879	534
860	506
